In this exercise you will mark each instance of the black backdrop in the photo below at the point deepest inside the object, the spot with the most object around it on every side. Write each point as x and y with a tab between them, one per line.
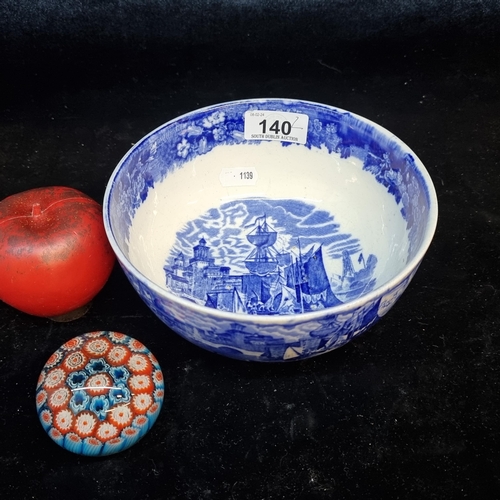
252	22
409	410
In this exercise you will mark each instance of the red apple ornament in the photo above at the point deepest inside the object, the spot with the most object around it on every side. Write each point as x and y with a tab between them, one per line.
54	253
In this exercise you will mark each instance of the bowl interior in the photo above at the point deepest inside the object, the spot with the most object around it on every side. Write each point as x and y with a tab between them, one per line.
212	212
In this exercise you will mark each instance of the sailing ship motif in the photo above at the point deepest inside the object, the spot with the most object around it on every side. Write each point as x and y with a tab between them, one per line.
263	258
276	282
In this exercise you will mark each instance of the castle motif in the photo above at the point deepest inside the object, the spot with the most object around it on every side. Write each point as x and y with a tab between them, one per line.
276	282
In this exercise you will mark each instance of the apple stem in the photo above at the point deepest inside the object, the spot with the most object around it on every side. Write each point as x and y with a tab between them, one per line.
36	210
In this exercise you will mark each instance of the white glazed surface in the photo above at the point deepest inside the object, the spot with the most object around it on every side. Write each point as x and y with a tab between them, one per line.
357	202
169	213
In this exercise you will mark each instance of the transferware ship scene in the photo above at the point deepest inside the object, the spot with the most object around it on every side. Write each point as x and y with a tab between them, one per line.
274	281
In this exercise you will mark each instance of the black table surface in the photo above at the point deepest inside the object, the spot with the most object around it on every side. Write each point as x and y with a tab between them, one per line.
411	409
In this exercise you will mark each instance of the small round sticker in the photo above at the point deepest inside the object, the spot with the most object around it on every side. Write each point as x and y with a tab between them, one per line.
99	393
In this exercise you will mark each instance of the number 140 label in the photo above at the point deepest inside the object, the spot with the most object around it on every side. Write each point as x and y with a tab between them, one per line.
276	126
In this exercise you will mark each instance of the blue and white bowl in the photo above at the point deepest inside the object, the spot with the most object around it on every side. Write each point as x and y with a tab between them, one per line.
270	229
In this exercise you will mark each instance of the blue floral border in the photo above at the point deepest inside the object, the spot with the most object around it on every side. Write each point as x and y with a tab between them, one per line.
197	133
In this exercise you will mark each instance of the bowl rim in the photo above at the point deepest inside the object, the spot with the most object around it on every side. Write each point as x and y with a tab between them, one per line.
284	319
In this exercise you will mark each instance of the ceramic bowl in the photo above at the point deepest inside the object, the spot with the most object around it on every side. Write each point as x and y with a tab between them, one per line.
270	229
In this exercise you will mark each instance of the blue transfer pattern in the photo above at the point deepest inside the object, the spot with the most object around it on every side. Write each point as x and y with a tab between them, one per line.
280	337
249	270
242	339
197	133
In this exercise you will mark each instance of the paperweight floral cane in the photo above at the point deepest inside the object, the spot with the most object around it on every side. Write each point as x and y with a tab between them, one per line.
99	393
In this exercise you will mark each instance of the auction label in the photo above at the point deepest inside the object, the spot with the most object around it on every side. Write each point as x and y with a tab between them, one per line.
238	176
276	126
